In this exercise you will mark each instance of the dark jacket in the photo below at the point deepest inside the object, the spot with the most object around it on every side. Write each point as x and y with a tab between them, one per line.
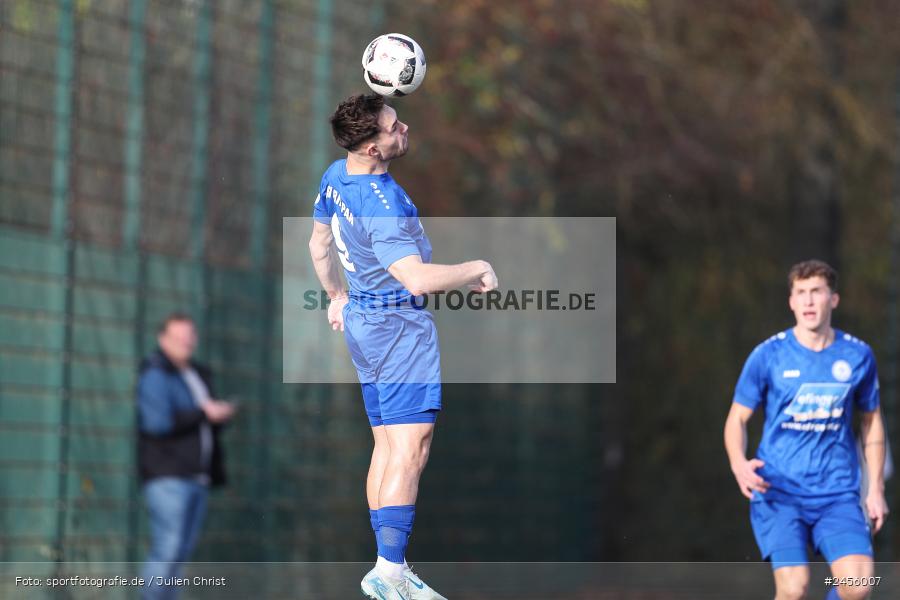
169	439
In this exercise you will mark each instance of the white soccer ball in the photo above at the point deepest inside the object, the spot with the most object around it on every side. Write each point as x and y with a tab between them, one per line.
393	65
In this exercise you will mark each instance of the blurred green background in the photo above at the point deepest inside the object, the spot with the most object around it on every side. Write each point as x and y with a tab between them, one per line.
149	149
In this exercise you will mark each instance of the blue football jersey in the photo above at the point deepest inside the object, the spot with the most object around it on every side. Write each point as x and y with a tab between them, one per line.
374	224
809	397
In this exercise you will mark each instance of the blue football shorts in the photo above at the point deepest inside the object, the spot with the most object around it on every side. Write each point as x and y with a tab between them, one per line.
835	526
398	362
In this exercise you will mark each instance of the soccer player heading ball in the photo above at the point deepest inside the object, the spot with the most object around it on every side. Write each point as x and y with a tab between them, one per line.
804	484
365	219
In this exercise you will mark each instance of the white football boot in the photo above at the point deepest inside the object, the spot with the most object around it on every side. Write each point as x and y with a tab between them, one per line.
418	589
378	587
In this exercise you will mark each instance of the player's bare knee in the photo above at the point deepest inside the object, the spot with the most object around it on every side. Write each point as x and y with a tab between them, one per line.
410	451
424	452
792	592
410	457
793	588
411	448
381	452
860	592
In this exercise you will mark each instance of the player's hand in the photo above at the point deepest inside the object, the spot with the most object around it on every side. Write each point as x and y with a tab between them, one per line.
336	313
747	479
877	509
487	281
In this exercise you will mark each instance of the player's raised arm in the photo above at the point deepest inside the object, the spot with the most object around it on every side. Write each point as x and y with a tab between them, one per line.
327	270
426	278
872	437
736	446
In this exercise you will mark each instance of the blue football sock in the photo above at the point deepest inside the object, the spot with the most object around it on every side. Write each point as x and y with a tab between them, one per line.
395	524
373	518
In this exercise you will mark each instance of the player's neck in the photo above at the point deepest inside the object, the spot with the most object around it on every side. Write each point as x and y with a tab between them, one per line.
357	165
815	339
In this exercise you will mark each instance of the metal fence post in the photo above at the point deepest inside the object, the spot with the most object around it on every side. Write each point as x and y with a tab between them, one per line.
259	254
202	81
61	229
321	91
134	141
892	354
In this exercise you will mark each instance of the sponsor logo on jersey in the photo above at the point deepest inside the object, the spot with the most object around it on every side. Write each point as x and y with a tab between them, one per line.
791	373
841	370
816	402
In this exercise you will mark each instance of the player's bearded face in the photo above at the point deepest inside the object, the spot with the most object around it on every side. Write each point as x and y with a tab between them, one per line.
393	139
812	301
395	147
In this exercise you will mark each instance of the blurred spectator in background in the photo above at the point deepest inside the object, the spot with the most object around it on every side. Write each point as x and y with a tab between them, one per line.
178	450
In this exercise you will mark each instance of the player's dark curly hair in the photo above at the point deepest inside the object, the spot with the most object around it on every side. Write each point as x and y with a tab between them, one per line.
813	268
356	120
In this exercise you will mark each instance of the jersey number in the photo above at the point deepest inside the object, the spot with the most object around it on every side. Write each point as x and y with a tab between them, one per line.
343	253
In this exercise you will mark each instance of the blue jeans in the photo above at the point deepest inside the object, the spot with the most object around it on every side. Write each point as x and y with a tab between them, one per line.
176	507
